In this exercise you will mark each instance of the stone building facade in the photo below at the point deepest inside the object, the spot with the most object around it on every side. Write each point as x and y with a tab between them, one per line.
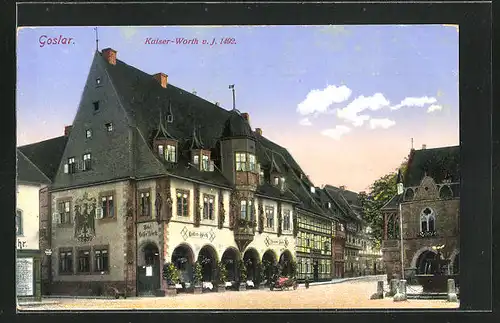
430	210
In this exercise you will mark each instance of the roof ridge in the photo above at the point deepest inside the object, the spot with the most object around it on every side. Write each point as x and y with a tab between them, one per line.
33	164
39	142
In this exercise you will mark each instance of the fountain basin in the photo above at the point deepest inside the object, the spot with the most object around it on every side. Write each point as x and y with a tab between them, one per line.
435	283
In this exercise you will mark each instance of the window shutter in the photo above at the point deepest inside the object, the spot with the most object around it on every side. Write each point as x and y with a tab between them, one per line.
66	169
99	213
56	218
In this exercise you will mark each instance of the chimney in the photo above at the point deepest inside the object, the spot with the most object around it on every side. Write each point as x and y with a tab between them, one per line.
67	130
217	103
246	116
424	146
259	131
342	187
162	78
109	55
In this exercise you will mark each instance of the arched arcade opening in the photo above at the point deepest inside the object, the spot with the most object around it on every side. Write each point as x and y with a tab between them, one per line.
207	257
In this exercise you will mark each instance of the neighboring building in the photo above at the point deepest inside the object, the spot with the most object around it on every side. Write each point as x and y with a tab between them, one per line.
30	180
153	174
36	167
430	208
370	256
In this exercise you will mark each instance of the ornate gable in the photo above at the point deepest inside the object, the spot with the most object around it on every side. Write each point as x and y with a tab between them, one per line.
428	190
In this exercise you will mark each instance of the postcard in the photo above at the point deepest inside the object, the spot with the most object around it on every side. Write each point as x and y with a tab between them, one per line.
238	167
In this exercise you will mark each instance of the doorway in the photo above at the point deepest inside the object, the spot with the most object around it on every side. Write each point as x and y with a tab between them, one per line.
148	271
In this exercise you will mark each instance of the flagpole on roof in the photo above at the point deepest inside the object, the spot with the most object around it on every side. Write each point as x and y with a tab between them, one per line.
400	188
231	87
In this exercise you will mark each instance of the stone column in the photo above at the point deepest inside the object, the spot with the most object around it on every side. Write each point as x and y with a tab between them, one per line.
393	286
401	294
452	292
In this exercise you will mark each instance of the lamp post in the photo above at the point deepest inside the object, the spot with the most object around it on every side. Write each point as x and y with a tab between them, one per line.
48	253
400	191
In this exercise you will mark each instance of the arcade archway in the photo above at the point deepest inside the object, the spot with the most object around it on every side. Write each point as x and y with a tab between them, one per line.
251	259
148	269
285	262
207	257
230	259
268	264
424	262
183	259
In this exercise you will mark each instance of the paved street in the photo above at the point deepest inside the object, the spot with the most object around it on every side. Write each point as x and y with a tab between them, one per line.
352	294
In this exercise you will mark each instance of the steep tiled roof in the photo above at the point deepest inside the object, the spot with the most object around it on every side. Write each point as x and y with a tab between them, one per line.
338	195
46	155
146	100
393	203
27	172
439	163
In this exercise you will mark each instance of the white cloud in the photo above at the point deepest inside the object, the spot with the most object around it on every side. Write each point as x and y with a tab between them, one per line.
336	132
434	107
414	102
381	123
320	100
351	112
305	122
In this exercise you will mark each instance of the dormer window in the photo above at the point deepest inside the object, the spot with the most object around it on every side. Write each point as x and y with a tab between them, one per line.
313	189
96	106
261	177
98	81
109	127
204	162
196	159
276	181
170	154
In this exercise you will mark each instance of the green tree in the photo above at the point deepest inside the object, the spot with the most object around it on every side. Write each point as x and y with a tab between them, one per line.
381	192
198	274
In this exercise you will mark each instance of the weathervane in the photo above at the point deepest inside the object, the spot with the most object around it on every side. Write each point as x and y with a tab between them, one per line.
96	40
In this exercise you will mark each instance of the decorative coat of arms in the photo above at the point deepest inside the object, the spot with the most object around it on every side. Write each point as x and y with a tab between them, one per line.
85	212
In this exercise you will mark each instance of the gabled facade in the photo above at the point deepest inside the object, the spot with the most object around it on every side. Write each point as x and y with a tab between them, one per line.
152	174
430	210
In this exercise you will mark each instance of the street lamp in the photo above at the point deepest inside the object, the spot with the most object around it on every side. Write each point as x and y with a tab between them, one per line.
48	253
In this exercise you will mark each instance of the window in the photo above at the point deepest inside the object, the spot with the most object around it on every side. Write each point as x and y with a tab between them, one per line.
276	181
88	133
204	164
182	203
108	210
286	220
65	262
196	159
243	210
269	217
83	261
252	163
261	177
87	162
101	259
19	223
170	118
71	165
145	204
109	126
160	150
65	212
96	105
427	221
170	154
98	81
208	207
241	162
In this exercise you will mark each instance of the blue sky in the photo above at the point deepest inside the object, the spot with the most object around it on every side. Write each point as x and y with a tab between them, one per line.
345	100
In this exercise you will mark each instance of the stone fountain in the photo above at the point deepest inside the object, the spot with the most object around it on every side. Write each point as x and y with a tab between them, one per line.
437	280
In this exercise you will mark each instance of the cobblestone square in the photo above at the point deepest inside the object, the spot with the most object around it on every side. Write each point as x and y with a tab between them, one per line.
347	295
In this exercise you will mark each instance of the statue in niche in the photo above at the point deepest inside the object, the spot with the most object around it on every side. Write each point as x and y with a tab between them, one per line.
85	213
